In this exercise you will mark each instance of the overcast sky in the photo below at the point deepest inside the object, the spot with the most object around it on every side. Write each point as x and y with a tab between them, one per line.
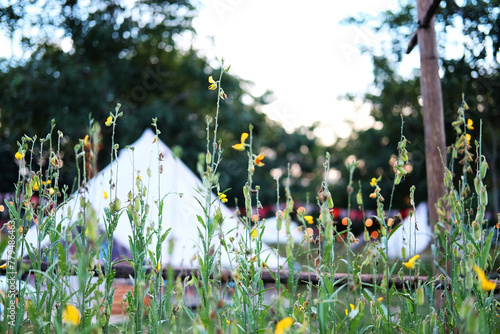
299	51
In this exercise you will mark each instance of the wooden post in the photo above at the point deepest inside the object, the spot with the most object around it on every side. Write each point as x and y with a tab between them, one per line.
430	86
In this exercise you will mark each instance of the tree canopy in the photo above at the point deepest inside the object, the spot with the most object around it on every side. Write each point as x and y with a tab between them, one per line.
132	55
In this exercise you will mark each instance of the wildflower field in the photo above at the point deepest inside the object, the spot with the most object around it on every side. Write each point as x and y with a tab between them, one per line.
321	285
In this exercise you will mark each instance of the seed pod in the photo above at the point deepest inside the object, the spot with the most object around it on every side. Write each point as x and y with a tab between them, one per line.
480	213
483	168
448	178
403	252
118	204
330	202
476	228
137	204
483	196
433	321
469	283
398	178
208	158
478	184
420	296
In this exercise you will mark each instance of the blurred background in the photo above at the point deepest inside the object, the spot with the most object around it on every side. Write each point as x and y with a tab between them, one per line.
311	77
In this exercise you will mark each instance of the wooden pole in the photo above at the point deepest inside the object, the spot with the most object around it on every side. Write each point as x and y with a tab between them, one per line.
430	86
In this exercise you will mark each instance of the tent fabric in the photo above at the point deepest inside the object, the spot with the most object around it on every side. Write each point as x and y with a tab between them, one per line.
179	211
415	240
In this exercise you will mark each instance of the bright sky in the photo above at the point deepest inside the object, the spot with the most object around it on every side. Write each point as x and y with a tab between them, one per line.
299	51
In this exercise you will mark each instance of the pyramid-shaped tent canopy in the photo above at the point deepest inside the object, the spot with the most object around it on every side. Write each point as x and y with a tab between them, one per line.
179	211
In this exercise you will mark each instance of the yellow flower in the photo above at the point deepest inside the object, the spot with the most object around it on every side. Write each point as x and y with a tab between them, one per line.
86	139
223	197
486	285
254	234
3	266
71	315
159	266
51	191
109	121
258	160
105	194
228	322
470	124
283	325
309	219
347	310
213	84
19	156
380	299
36	186
241	145
468	136
373	182
411	262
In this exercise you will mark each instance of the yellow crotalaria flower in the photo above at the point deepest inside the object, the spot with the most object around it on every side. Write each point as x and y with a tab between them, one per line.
36	187
258	160
411	262
213	84
159	266
484	283
470	125
352	309
71	315
309	219
254	234
380	299
19	156
109	121
373	182
105	193
3	266
86	139
241	145
223	197
283	325
228	322
468	137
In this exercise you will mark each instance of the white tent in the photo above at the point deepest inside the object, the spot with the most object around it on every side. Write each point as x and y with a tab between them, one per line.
179	212
415	241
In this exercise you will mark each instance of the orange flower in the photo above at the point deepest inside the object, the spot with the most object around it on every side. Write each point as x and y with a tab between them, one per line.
390	221
301	210
241	145
374	235
258	160
255	218
368	222
345	221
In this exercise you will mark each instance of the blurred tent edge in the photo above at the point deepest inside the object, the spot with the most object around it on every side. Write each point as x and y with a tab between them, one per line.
116	57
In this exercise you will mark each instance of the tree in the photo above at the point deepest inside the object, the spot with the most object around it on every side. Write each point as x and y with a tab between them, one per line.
129	55
472	69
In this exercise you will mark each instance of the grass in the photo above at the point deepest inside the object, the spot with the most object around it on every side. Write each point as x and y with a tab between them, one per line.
456	297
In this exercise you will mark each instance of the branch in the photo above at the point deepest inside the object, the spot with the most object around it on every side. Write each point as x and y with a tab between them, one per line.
424	24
